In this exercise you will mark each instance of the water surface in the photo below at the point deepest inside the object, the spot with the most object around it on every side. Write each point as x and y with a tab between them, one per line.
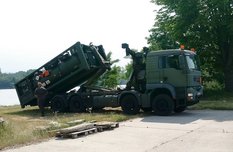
8	97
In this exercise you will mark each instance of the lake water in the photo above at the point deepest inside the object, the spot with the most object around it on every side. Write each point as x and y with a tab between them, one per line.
8	97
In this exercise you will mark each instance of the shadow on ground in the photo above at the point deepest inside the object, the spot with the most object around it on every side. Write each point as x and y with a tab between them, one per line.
190	116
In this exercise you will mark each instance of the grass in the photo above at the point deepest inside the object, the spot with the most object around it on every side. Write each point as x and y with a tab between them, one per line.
216	100
214	105
25	126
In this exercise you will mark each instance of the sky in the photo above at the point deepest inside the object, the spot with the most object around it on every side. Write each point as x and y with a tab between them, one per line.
32	32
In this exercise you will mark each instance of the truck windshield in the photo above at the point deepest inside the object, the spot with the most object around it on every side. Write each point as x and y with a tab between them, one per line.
192	62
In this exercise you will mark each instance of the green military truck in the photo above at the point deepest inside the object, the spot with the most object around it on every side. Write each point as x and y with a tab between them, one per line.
163	81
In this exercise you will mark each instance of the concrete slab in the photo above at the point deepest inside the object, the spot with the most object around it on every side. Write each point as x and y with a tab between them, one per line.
193	130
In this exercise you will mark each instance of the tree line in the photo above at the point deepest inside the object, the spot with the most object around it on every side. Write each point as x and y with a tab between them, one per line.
7	80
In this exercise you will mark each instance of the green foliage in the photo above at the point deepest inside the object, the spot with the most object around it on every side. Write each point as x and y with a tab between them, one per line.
205	25
161	37
109	58
128	70
6	132
111	78
214	105
216	99
213	86
7	80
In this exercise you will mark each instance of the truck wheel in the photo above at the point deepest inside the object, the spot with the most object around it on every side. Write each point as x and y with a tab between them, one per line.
180	109
163	105
129	104
76	104
58	103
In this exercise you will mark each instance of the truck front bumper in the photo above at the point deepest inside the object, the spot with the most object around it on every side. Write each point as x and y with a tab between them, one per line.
194	94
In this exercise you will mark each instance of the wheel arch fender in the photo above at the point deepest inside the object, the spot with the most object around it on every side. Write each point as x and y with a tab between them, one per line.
131	92
157	89
71	95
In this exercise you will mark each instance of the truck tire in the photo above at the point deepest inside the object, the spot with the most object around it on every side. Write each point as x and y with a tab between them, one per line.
129	104
179	109
76	104
162	105
58	103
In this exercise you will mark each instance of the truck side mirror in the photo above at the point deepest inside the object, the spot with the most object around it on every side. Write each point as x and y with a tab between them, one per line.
124	45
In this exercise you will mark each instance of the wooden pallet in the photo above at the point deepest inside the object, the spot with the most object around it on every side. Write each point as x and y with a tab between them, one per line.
102	126
77	134
85	129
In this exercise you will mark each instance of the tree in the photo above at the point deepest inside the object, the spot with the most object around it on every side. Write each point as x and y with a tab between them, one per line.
109	58
110	78
206	25
128	70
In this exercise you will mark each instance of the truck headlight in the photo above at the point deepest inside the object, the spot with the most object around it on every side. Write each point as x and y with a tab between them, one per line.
190	96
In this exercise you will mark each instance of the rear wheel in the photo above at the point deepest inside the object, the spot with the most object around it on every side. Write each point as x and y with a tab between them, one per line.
58	103
163	105
76	104
129	104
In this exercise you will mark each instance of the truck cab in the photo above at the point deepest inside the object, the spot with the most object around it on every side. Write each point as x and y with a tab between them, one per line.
177	71
171	81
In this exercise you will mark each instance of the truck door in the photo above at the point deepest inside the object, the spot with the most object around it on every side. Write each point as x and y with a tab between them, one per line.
174	74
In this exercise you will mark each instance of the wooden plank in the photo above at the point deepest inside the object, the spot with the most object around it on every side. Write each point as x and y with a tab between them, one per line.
77	134
101	126
77	128
107	124
82	133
